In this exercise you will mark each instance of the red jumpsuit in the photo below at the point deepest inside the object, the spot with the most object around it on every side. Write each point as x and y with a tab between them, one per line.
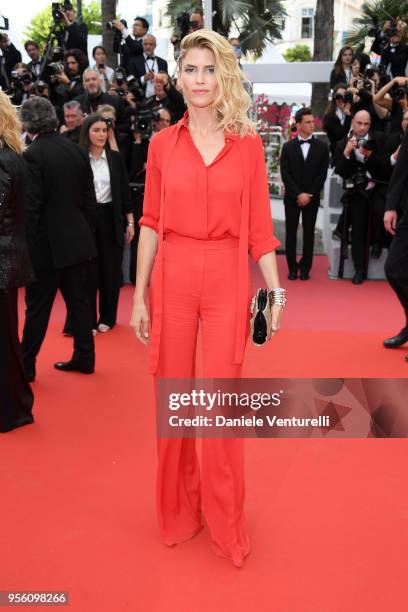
207	218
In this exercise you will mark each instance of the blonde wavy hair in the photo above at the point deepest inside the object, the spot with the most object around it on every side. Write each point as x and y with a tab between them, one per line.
10	125
233	101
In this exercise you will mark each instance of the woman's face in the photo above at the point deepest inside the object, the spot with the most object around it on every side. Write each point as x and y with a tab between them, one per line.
355	68
197	78
98	134
347	57
100	57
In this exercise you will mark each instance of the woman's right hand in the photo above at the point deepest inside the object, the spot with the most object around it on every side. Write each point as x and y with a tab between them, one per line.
140	321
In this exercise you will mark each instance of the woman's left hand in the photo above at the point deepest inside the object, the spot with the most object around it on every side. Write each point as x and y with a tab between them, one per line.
129	234
277	312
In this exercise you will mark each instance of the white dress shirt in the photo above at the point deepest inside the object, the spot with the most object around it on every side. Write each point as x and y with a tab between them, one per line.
150	64
101	174
305	147
341	115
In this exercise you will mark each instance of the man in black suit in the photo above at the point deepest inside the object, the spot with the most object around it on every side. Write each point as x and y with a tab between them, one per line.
304	163
33	50
145	66
396	223
128	46
60	212
360	160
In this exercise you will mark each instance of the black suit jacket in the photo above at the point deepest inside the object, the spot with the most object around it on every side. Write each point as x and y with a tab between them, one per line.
334	129
300	175
396	56
77	37
120	193
397	191
375	164
137	66
61	203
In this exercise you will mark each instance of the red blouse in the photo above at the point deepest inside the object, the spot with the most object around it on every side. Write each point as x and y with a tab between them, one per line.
204	202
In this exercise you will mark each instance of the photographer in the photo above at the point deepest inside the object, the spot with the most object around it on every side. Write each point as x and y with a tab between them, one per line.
68	82
387	43
337	118
364	90
126	45
74	35
21	83
99	54
167	95
142	132
393	97
358	161
11	55
145	66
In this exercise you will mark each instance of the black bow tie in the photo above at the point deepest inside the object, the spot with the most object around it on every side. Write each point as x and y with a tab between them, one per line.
302	142
152	57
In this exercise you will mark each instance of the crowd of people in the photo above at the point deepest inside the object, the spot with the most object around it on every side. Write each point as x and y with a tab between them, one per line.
95	123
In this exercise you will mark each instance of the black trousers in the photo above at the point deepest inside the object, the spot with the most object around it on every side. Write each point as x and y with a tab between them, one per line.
396	266
16	396
40	295
292	216
107	274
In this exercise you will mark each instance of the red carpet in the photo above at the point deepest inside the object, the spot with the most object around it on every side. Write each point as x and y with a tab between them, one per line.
328	519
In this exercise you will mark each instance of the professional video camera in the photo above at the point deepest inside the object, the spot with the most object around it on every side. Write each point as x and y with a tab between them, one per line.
57	8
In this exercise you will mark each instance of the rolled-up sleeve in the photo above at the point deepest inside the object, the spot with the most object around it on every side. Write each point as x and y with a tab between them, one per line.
152	194
261	236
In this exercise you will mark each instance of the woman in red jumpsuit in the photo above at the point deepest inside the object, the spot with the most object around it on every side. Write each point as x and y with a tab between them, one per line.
206	206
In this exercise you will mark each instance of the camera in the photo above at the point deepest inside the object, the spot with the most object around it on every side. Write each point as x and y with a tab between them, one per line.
143	120
348	96
57	8
120	76
19	81
398	92
109	122
40	87
358	181
110	25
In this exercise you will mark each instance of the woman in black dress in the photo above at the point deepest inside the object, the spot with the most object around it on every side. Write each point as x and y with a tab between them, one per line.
16	397
341	72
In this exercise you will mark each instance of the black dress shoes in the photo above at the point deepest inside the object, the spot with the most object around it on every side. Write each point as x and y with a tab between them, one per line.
292	275
304	275
397	340
358	278
73	366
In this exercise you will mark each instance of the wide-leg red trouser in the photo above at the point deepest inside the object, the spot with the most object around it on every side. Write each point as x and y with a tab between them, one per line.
200	287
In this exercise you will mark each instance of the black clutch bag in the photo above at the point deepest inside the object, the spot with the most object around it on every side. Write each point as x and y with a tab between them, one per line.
261	317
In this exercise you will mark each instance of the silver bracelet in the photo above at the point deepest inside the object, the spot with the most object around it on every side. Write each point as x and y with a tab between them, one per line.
278	296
